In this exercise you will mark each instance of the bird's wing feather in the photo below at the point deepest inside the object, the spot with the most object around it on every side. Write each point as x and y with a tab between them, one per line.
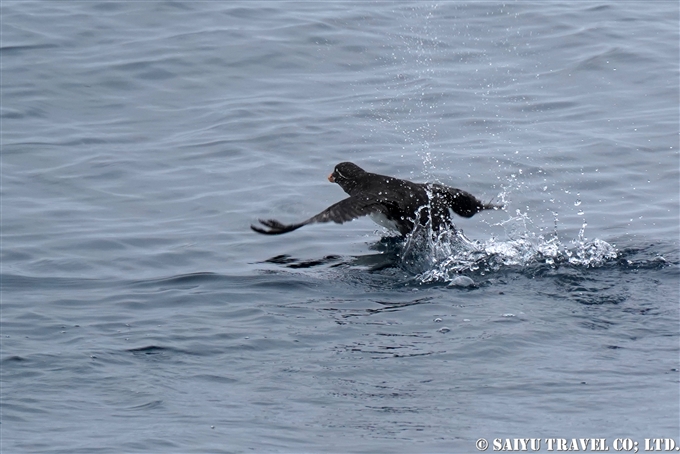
345	210
462	203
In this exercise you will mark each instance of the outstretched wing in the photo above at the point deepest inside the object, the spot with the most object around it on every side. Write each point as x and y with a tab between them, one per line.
343	211
460	202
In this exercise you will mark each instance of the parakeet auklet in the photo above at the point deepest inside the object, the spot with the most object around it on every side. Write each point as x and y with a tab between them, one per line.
391	202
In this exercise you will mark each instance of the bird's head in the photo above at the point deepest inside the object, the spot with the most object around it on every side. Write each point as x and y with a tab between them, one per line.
346	174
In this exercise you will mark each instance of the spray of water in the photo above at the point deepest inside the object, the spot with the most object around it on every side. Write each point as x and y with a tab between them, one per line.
446	254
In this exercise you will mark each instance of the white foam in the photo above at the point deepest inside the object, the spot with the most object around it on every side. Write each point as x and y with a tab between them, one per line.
449	256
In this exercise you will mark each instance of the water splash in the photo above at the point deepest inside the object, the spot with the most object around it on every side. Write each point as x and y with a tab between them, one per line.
447	254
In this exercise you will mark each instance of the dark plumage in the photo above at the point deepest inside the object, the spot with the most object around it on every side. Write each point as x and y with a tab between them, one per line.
391	202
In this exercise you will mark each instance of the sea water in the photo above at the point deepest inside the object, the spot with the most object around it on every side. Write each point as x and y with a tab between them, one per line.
141	139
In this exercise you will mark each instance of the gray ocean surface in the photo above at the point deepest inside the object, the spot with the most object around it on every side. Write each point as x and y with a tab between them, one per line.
140	140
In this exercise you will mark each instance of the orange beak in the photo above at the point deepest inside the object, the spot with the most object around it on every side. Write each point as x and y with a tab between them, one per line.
331	179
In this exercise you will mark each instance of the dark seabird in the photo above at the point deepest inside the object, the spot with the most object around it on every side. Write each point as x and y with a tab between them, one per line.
391	202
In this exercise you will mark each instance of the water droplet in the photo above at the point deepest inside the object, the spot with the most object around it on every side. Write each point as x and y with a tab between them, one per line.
444	329
437	320
577	203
